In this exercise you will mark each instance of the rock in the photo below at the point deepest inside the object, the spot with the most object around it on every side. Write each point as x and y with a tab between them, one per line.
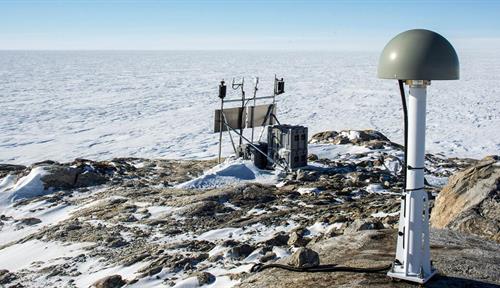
470	202
252	195
491	158
153	271
134	259
6	276
126	218
375	144
205	278
358	179
29	221
304	257
60	177
357	137
279	239
89	178
312	157
241	251
6	169
188	263
296	239
115	243
360	136
215	258
462	261
363	224
200	209
114	281
268	256
306	175
324	137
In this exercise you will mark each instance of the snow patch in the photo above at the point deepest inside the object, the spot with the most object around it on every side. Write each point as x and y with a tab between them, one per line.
27	187
305	190
231	172
20	256
384	214
332	151
378	189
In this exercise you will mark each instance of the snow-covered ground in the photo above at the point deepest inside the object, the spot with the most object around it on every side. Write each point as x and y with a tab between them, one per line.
63	105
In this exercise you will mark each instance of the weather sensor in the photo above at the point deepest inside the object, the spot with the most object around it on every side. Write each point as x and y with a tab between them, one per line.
416	57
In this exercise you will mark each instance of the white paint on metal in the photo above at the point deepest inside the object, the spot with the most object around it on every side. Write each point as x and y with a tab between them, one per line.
413	250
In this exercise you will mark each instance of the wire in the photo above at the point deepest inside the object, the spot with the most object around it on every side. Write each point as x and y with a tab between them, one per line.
320	268
405	118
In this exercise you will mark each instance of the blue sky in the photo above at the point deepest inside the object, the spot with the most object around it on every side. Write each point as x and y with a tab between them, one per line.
254	25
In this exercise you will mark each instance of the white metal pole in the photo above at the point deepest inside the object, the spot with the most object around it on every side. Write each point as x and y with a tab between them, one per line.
415	176
413	252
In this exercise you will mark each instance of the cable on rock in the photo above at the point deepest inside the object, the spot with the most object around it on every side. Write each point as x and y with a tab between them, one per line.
320	268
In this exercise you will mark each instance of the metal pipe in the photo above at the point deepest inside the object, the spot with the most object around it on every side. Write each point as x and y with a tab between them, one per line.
415	178
221	126
229	132
242	106
254	103
248	99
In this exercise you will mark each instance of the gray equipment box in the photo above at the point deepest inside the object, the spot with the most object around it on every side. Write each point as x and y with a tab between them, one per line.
287	145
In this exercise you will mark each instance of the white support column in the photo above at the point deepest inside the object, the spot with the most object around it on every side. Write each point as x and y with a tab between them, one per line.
412	252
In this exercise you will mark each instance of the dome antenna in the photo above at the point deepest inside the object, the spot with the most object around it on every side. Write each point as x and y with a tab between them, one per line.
416	57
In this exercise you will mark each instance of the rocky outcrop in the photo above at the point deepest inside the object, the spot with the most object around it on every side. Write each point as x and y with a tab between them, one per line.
470	202
458	257
343	211
371	138
6	169
6	276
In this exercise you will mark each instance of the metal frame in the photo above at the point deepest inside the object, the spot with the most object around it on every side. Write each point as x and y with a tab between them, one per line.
244	102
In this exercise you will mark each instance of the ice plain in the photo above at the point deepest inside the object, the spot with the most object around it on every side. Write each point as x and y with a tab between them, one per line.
62	105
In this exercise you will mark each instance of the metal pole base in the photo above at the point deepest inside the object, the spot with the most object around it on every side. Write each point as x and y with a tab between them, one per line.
421	279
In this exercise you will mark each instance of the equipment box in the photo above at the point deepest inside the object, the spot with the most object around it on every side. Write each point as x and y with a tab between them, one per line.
287	144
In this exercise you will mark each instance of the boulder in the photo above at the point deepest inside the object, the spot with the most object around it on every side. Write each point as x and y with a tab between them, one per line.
304	257
278	239
241	251
205	278
363	224
270	255
113	281
296	239
60	177
29	221
470	202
